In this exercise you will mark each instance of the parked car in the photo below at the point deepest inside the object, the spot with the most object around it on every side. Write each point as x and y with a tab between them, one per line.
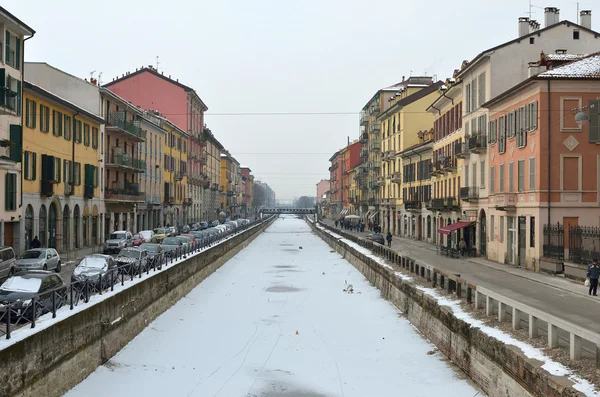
173	231
95	267
138	240
148	236
160	234
190	236
117	241
170	245
39	259
183	229
7	262
214	223
21	290
155	253
186	241
195	226
132	259
200	235
376	237
203	225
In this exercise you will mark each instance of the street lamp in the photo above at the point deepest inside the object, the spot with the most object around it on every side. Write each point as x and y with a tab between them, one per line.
581	118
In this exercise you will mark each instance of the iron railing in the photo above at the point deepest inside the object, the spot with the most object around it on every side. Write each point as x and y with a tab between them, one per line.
554	237
131	127
584	244
26	313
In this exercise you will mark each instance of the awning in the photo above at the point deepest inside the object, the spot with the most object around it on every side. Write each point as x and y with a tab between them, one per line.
374	213
454	226
367	215
344	211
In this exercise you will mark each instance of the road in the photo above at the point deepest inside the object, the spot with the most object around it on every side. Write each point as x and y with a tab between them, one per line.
275	321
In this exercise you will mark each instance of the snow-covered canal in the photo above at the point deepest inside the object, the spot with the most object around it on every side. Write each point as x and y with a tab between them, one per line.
274	321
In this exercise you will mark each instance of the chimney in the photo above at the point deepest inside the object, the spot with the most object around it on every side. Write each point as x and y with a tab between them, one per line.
523	26
585	19
533	68
534	26
551	16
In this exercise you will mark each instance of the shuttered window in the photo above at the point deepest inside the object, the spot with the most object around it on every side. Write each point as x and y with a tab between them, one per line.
594	121
67	128
57	123
10	192
94	137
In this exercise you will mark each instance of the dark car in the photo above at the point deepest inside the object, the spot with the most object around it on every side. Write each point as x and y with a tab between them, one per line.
132	259
203	225
170	245
155	254
21	291
376	237
95	268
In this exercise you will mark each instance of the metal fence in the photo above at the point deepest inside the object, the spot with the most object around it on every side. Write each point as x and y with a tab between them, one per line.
554	237
16	315
584	244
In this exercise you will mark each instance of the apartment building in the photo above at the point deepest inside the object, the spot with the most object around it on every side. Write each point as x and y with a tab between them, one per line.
350	157
212	173
150	214
248	181
176	203
336	191
13	34
230	185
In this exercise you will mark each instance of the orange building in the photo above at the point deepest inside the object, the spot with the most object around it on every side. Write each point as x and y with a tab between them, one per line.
544	164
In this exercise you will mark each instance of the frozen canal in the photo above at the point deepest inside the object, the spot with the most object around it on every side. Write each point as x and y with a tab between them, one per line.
274	321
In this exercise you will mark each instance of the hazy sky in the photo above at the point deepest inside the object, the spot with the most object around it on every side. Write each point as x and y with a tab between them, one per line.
276	56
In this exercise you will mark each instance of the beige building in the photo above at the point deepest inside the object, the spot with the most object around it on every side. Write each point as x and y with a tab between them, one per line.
149	214
212	176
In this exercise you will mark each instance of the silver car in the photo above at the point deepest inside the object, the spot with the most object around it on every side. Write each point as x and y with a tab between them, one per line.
39	259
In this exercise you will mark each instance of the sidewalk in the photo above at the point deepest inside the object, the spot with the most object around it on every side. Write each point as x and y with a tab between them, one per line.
565	299
78	254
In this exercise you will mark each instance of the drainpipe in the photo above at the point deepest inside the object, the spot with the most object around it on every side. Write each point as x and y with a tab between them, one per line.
549	150
22	112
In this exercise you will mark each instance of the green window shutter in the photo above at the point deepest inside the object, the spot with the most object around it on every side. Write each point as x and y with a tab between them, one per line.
51	165
34	169
7	46
18	54
7	191
34	115
2	86
44	167
26	166
16	137
54	129
594	121
47	114
19	98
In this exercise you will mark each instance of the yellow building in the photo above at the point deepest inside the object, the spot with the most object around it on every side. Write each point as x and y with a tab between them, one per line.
149	213
176	204
353	190
449	150
400	126
61	158
230	184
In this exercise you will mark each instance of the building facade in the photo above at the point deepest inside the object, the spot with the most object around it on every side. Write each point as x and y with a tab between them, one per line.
150	214
212	172
351	158
336	191
230	185
14	33
248	181
61	174
176	203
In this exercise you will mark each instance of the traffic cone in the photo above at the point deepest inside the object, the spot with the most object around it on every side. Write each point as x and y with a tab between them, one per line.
297	333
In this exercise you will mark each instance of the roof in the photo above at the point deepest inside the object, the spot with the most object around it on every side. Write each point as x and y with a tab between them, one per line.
422	145
413	97
446	94
154	72
482	54
334	156
17	20
564	57
412	81
585	68
61	101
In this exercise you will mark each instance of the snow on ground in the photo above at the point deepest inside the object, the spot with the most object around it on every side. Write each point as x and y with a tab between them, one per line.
274	321
553	367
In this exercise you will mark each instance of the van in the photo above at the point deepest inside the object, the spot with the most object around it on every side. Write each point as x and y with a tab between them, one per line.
7	262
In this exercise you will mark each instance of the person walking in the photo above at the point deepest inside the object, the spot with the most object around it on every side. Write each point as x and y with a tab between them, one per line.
593	273
389	239
335	223
35	243
462	246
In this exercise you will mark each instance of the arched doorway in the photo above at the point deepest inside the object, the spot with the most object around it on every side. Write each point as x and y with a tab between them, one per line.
86	214
52	226
482	234
420	228
76	226
28	226
42	226
428	226
66	228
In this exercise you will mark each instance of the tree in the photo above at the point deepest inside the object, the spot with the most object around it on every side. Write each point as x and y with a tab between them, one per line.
305	202
259	195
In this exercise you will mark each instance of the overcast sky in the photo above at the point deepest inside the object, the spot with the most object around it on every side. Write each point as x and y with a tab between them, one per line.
275	56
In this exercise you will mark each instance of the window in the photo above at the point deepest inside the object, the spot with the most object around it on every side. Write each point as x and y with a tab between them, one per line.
532	174
67	128
521	176
44	118
510	124
474	175
501	178
533	115
532	231
481	84
31	113
502	134
492	228
29	165
57	169
511	177
57	123
474	94
522	128
78	132
94	137
492	134
532	40
10	192
78	174
576	35
482	176
501	229
468	101
594	119
86	134
492	179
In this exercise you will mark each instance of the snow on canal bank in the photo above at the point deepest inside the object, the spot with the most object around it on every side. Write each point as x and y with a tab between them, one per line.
274	321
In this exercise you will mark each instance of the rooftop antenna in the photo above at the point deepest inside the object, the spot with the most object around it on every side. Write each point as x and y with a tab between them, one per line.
157	63
92	74
100	78
531	7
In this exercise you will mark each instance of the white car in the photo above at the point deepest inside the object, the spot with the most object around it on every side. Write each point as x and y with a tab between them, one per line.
148	236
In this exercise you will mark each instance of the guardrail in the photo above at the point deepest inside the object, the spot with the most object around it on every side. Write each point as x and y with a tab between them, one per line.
495	304
20	314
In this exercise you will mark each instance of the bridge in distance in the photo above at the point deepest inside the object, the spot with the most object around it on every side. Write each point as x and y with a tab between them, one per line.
296	211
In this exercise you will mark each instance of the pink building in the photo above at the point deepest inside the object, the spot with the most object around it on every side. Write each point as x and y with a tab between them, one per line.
322	187
182	106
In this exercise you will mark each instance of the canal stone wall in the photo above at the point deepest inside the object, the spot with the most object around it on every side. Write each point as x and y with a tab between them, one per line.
55	359
500	370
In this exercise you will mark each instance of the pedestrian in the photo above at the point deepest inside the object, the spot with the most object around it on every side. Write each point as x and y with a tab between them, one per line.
35	243
362	227
593	273
370	225
462	246
389	239
336	223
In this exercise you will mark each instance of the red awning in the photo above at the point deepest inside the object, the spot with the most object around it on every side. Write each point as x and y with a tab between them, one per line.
454	226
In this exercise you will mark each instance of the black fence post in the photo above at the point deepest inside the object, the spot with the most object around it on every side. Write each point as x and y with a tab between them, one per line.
71	296
9	307
100	283
53	304
33	312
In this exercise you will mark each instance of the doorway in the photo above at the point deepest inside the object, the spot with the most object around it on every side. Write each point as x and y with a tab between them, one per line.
511	240
52	226
522	240
482	234
28	226
66	229
42	226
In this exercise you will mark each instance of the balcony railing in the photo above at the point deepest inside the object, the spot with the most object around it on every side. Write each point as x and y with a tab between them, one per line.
374	110
364	118
412	205
477	143
505	200
437	204
374	146
469	193
450	203
375	127
396	177
129	195
364	137
117	121
374	165
187	201
461	150
117	159
363	153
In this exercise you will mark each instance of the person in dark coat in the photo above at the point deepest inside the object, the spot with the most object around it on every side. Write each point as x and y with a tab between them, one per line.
593	273
336	223
389	239
35	243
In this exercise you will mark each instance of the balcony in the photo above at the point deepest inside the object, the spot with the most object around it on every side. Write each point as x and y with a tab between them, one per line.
396	177
180	176
115	158
364	152
374	146
364	118
461	150
373	201
391	154
505	201
203	159
123	195
448	164
374	110
117	122
412	205
451	203
375	127
437	204
477	143
374	165
364	138
187	201
381	181
469	193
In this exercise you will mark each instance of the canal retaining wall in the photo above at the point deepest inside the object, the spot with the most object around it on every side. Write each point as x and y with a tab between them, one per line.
500	370
55	359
